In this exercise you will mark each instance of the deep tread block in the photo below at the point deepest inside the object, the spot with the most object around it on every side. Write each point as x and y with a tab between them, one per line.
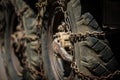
94	24
99	70
91	41
99	46
86	19
112	65
106	54
91	63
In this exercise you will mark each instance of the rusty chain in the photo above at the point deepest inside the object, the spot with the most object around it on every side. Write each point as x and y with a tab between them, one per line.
77	37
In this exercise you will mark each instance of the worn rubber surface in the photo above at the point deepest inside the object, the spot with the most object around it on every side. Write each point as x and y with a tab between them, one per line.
93	56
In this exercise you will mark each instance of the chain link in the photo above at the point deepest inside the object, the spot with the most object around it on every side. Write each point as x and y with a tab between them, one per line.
77	37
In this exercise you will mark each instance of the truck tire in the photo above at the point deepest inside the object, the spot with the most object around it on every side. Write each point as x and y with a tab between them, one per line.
93	56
